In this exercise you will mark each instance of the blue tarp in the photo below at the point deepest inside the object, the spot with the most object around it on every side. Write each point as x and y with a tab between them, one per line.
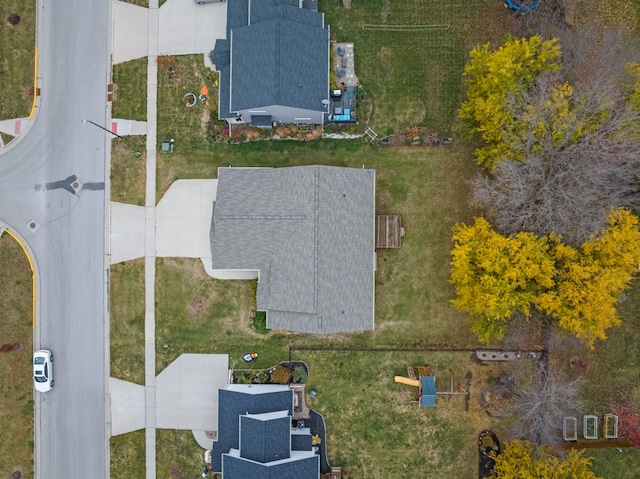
427	391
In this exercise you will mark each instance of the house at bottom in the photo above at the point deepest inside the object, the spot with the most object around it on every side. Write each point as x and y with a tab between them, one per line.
255	435
273	63
307	233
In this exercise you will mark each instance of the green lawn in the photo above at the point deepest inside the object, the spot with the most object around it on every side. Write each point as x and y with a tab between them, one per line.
16	385
17	59
128	456
127	321
616	464
130	90
413	76
187	126
128	171
177	455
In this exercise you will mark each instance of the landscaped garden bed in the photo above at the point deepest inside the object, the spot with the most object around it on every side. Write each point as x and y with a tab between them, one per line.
415	136
286	372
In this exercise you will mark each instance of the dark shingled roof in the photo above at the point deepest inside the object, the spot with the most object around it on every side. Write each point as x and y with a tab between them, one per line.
279	62
277	53
261	120
234	402
309	230
301	442
265	440
237	468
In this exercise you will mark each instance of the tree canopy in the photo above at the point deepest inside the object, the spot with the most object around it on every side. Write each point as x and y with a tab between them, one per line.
560	124
521	460
498	276
494	77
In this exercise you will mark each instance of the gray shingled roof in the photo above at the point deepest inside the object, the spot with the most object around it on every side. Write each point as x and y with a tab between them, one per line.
309	230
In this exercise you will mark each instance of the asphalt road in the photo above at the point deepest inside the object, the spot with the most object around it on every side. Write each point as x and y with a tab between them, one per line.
67	237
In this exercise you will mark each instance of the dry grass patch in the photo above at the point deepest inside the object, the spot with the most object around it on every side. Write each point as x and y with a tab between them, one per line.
16	385
225	308
128	171
128	455
178	455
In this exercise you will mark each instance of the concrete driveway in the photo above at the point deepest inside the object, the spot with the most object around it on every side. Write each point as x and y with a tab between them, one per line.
186	397
184	28
183	219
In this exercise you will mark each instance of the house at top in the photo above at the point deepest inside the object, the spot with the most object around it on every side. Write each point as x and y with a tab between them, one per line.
274	63
256	438
307	233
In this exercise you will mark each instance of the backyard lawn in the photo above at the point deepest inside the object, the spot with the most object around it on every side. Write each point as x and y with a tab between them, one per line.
410	54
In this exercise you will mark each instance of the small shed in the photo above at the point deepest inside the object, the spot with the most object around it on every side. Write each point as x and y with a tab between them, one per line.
427	391
389	231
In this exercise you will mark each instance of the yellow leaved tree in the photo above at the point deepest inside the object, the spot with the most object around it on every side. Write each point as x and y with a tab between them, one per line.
495	76
521	460
497	276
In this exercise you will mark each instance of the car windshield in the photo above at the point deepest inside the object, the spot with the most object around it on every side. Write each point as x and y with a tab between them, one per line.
41	379
38	360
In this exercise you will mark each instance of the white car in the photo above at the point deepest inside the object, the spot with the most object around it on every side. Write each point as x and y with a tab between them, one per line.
43	370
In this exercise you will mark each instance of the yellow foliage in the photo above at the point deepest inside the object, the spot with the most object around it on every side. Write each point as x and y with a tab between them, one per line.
520	460
492	77
497	276
633	73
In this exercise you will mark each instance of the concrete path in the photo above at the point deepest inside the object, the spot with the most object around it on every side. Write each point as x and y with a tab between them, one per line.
186	397
127	232
186	27
182	27
128	127
183	219
185	394
127	406
150	244
131	31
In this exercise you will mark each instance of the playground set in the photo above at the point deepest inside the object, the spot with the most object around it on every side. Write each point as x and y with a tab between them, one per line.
426	384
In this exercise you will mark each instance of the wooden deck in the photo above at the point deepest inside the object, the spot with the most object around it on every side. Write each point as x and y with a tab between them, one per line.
389	231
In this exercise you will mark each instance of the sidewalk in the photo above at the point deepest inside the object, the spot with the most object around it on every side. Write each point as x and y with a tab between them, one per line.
184	395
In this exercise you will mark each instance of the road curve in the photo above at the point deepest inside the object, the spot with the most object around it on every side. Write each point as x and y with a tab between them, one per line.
52	194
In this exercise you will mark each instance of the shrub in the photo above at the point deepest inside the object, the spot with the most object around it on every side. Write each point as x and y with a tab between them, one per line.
281	375
300	375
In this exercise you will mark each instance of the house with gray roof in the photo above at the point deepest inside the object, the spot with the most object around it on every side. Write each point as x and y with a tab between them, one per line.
256	438
308	234
274	63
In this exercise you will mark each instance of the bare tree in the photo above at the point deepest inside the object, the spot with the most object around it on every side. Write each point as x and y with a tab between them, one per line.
569	193
573	166
540	404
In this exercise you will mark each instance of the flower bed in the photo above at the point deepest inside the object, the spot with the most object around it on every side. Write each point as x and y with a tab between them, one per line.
294	372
